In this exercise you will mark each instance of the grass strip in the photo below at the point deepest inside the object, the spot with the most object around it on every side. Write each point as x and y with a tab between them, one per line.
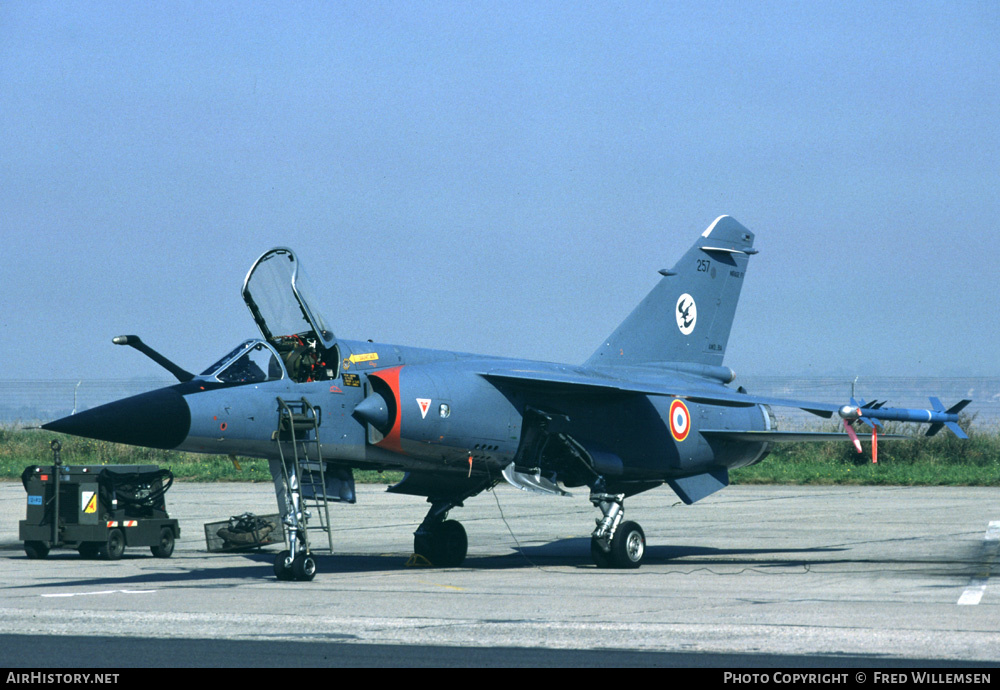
20	448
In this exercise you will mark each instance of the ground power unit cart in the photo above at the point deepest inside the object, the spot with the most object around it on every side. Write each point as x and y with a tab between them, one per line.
97	509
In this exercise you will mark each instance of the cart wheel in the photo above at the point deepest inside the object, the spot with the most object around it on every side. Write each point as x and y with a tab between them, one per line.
114	547
166	546
36	549
88	549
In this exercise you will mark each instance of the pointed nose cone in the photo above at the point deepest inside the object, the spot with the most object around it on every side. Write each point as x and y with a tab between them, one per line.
158	419
374	411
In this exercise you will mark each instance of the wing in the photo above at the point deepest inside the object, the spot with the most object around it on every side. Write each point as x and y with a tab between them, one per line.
582	380
789	436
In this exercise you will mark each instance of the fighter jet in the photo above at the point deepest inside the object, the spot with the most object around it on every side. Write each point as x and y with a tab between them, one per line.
650	406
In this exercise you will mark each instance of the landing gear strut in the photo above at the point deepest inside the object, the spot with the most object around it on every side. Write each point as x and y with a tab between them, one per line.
442	542
615	544
296	563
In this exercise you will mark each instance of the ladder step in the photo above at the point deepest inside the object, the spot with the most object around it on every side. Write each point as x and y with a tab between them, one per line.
295	421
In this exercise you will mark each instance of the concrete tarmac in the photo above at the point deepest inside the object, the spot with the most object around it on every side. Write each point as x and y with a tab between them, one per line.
748	576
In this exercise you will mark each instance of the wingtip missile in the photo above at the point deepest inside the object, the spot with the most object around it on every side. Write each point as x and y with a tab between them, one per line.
938	417
952	411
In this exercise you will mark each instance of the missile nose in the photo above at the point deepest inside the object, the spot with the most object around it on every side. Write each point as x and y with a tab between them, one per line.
849	412
157	419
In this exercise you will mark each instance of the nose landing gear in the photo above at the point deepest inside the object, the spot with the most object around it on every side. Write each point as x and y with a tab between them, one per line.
302	567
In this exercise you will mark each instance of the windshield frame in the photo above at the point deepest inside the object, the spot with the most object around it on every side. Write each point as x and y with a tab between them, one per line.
213	371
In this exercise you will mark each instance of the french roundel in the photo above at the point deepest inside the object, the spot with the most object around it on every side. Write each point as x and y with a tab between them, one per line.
680	420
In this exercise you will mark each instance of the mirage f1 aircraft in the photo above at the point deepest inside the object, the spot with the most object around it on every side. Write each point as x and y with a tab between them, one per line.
649	407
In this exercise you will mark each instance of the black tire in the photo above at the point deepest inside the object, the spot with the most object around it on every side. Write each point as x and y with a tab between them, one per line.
445	545
282	568
114	547
36	550
628	546
453	544
423	545
304	567
88	549
165	548
601	558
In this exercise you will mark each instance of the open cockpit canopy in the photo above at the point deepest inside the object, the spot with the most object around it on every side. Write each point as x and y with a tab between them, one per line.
281	299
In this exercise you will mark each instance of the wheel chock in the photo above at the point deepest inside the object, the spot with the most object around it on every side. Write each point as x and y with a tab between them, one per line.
419	561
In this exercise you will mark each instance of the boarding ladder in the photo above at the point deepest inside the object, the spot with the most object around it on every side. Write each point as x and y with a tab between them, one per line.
304	473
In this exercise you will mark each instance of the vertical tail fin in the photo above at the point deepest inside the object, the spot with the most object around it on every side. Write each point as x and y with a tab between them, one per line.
688	315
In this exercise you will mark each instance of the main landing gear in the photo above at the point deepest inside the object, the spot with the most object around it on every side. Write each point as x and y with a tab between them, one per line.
442	542
615	544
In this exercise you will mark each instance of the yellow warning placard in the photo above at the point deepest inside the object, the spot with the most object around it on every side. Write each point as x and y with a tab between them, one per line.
89	499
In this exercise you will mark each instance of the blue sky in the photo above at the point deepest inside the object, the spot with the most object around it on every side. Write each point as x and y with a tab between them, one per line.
503	178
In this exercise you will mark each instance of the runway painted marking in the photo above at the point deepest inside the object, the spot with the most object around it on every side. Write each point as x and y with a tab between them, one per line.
108	591
973	594
993	531
454	588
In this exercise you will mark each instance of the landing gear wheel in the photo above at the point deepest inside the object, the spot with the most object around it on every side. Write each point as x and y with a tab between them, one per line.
166	546
283	566
88	549
601	558
35	550
114	547
304	567
628	546
444	545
